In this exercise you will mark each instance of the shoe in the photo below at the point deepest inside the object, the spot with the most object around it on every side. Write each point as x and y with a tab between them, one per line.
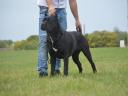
43	74
57	72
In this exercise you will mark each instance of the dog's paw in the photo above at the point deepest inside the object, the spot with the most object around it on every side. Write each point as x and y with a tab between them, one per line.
43	74
57	72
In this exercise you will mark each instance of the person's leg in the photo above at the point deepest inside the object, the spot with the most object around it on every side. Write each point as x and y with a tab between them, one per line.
42	52
62	19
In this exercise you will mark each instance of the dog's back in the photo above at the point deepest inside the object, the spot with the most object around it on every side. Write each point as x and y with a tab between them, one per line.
70	42
75	37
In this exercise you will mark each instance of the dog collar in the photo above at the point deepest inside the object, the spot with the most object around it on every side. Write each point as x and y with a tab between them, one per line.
52	45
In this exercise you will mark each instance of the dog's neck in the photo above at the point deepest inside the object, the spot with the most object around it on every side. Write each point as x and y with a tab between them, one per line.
57	35
54	39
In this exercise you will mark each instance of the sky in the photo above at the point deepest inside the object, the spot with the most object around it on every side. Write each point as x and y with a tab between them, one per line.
19	18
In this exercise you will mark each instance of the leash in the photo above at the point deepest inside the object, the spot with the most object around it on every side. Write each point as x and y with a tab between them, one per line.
52	44
78	29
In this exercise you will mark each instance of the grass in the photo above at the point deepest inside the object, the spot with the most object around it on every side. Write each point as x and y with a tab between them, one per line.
18	75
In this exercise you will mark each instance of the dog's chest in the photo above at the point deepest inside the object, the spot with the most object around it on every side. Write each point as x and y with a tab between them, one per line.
60	54
57	48
58	51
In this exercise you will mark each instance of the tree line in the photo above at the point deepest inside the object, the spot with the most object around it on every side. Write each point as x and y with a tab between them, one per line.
6	43
106	39
95	39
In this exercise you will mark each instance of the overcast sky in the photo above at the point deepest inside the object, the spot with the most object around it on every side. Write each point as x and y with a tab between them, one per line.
19	18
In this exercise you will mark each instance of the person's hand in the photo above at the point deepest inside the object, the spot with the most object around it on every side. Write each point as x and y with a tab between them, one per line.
78	26
51	10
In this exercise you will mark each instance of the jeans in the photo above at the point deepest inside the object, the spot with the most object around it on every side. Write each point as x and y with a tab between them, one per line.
43	50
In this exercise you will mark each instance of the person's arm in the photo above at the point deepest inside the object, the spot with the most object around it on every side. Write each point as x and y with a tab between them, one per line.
74	10
51	8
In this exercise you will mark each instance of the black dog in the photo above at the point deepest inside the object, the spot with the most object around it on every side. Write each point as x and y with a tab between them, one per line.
65	44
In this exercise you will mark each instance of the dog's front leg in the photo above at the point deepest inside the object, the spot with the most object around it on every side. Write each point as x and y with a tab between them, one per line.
53	62
66	66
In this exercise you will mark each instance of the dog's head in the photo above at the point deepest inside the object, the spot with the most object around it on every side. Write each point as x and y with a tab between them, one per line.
50	23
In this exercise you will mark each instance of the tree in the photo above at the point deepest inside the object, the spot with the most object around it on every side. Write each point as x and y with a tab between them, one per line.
31	43
5	43
102	39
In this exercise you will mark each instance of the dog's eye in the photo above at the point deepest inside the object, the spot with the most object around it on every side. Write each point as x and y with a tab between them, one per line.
45	19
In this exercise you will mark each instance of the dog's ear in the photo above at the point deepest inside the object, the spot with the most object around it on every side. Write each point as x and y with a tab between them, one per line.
44	23
43	26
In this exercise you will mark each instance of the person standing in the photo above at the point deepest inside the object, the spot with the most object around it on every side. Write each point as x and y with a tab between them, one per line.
52	7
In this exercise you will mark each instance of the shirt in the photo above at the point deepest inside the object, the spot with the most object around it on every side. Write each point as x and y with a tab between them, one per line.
56	3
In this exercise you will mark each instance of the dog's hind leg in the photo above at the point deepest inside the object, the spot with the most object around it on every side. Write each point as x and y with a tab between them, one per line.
87	53
75	58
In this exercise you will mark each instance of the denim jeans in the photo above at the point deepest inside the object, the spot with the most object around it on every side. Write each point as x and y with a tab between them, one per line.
43	50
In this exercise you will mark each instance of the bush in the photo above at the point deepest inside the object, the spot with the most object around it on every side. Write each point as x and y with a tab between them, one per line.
6	43
31	43
102	39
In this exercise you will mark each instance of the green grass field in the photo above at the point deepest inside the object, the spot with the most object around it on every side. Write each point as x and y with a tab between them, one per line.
18	75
